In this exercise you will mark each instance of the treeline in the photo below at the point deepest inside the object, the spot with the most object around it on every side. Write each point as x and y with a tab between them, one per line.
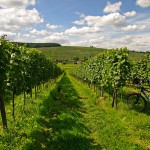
21	70
112	70
38	45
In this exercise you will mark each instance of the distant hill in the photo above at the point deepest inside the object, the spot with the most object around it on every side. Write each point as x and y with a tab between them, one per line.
70	52
38	45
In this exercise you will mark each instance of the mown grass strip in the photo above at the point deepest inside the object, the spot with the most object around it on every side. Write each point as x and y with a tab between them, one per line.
61	124
113	129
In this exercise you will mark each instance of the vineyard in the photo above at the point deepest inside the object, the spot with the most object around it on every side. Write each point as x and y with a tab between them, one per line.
112	70
21	70
43	107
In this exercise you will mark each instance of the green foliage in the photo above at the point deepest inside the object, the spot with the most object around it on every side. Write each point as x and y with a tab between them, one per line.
29	68
19	130
22	69
112	70
141	69
109	69
4	62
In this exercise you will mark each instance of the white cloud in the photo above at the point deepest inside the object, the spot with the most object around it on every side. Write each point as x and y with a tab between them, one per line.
13	19
80	43
54	39
144	21
58	33
138	42
7	27
133	27
7	33
16	3
97	40
53	26
80	31
32	2
100	41
143	3
81	15
130	14
51	38
14	15
79	22
112	7
23	38
114	19
27	35
41	32
127	39
141	42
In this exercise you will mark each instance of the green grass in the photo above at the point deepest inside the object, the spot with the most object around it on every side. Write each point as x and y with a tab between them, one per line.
25	120
70	116
114	129
68	52
54	121
67	66
136	55
61	122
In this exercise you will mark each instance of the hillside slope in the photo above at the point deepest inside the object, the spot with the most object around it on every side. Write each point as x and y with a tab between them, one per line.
69	52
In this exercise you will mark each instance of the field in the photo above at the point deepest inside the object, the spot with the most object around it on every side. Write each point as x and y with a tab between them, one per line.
68	52
67	113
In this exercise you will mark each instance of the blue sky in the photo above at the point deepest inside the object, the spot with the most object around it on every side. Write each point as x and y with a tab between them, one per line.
100	23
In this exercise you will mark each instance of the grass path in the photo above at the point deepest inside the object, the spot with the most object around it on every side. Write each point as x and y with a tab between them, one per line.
113	129
61	122
70	117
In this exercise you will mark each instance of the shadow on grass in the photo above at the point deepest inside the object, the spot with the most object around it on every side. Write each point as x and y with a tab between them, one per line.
61	124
